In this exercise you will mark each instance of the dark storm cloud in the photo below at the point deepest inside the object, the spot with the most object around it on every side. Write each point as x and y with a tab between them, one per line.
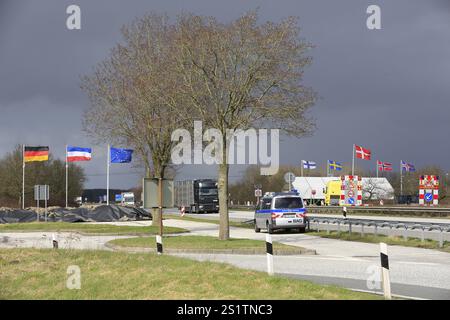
385	89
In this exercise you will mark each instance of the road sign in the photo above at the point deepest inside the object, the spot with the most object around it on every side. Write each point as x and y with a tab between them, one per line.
151	193
258	193
289	177
429	190
118	197
41	192
351	191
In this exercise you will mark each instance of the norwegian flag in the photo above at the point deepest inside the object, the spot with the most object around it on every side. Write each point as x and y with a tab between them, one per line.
384	166
362	153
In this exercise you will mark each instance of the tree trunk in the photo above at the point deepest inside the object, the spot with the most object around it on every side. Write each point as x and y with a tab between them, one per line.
224	227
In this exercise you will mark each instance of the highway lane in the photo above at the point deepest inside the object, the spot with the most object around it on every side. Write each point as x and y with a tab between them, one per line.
242	215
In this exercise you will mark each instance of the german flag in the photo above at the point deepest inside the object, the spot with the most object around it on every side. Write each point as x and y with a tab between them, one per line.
32	154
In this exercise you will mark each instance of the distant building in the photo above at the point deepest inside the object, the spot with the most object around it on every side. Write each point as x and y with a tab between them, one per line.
313	189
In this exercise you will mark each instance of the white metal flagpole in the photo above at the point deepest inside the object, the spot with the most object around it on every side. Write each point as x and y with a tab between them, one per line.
353	160
67	180
377	168
107	174
401	178
23	176
301	168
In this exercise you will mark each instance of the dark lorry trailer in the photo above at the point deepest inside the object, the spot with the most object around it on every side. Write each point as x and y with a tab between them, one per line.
197	195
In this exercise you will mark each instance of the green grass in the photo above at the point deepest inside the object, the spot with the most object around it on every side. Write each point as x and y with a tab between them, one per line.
199	242
207	220
86	228
390	240
42	274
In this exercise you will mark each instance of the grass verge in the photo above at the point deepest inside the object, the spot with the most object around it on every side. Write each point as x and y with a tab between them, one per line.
206	220
42	274
205	243
86	228
390	240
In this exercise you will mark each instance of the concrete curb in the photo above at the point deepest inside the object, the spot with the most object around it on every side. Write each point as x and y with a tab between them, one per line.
278	252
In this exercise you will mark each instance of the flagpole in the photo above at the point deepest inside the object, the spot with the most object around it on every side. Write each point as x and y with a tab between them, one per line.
401	178
377	168
67	180
301	169
353	161
23	176
107	174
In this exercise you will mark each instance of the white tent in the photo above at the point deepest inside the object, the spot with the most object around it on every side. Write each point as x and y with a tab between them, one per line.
312	188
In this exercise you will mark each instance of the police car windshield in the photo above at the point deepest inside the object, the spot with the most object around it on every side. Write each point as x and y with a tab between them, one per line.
288	203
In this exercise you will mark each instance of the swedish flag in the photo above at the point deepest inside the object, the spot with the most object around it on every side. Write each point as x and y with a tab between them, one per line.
333	165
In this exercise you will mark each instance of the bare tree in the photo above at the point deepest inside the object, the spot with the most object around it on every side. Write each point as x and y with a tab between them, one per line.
374	189
134	95
243	75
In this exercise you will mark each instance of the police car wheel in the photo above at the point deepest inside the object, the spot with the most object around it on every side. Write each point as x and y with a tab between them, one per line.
302	230
269	228
257	229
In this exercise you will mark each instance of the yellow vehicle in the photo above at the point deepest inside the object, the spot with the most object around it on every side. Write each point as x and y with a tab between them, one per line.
333	193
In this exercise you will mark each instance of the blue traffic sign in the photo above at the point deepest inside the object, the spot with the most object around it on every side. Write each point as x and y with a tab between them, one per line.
351	200
429	197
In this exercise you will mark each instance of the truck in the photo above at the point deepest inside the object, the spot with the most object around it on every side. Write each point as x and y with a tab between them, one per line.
127	198
333	193
197	196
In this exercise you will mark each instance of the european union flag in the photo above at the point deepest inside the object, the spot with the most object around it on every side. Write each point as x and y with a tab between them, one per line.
333	165
121	155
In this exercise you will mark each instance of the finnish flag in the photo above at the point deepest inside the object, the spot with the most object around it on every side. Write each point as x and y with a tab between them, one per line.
309	164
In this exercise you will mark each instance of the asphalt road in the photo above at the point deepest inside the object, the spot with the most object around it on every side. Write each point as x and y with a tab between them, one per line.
415	272
242	216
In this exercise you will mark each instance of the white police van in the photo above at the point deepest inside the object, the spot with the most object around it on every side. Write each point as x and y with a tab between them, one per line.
283	210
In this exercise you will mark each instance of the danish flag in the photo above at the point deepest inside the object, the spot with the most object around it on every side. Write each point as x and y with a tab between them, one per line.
384	166
362	153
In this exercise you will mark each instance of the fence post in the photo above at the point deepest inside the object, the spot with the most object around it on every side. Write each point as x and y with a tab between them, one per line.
385	270
269	253
376	229
422	239
159	245
54	241
441	239
362	229
350	228
405	233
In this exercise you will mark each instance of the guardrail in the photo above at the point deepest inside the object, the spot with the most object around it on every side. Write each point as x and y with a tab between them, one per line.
411	210
376	225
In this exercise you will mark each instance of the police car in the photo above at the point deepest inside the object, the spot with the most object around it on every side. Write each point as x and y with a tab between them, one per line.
284	210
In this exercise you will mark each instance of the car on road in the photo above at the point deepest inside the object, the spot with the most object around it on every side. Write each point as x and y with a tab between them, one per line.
284	210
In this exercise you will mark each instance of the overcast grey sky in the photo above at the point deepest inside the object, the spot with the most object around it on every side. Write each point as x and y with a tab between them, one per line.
388	89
